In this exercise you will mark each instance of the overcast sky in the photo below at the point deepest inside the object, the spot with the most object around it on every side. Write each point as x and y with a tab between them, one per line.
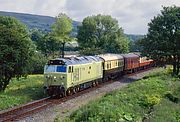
132	15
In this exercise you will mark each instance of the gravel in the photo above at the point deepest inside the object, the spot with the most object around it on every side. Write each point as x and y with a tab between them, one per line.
65	109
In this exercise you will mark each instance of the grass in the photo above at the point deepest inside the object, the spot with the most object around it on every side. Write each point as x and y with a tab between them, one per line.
22	91
155	98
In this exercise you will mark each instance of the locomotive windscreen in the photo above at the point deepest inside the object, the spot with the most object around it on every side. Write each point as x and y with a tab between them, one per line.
56	62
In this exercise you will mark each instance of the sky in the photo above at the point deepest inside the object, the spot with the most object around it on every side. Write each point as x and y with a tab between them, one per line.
133	15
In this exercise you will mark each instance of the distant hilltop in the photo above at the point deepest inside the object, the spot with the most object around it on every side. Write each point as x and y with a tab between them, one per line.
44	23
37	21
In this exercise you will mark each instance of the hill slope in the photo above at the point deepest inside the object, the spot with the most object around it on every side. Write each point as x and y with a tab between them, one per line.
36	21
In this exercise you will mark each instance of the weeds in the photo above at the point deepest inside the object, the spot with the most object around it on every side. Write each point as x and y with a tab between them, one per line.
146	99
22	91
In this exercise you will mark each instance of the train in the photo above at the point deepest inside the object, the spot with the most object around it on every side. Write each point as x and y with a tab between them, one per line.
66	76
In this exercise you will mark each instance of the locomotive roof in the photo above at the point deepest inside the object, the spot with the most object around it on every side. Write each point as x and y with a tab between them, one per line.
108	57
130	55
78	60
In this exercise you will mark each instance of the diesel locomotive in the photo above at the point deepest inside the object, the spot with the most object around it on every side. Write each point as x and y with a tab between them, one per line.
66	76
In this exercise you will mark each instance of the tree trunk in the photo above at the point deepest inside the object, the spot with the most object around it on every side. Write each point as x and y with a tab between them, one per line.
174	66
4	83
178	63
63	48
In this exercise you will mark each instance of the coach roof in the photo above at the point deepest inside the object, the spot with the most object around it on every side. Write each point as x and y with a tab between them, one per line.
131	55
109	57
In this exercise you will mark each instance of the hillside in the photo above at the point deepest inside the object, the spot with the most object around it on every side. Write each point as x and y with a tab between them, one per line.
36	21
134	37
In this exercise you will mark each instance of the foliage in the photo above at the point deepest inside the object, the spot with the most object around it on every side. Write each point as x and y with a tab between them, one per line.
44	42
162	41
102	32
91	51
151	100
128	103
37	37
171	97
61	30
38	62
133	44
16	50
22	91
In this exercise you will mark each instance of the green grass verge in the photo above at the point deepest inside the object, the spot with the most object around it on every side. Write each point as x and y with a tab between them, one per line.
156	98
22	91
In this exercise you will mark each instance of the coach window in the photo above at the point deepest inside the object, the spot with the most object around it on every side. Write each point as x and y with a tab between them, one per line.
107	66
119	63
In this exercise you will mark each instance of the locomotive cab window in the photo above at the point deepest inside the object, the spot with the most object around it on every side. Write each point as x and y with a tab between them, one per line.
70	69
61	69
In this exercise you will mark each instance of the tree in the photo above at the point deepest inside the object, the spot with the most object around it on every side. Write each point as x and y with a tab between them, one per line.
103	33
38	62
162	42
61	30
37	37
16	50
44	42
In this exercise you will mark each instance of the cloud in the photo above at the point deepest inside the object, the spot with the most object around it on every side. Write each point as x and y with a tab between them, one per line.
40	7
132	15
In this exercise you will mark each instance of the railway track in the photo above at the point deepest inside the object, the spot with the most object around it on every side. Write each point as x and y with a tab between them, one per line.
23	110
36	106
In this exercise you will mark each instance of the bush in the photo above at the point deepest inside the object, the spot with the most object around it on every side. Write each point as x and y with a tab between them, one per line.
37	63
151	100
171	97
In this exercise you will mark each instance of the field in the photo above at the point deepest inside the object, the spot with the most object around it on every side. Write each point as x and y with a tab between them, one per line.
22	91
155	98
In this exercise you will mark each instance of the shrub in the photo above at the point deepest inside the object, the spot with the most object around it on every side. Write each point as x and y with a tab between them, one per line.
37	63
151	100
171	97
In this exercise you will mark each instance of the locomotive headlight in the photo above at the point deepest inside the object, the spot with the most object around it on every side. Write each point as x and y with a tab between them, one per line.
54	77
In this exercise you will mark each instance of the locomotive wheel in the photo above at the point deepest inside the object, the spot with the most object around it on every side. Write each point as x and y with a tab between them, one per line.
74	90
94	83
68	92
78	88
63	94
